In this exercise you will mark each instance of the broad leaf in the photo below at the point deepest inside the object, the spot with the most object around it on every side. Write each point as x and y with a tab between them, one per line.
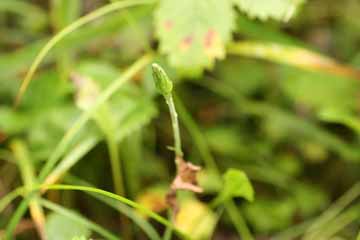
265	9
194	33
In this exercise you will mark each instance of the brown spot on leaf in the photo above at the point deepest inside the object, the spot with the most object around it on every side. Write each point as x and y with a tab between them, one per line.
186	43
209	38
213	45
168	25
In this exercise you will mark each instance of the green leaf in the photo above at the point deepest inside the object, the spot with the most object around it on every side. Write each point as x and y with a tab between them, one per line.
264	9
192	33
236	184
60	227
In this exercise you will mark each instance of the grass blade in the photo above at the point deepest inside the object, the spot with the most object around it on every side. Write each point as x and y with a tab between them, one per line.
134	216
8	198
134	120
28	177
121	199
66	31
66	141
322	222
77	126
294	56
338	223
79	151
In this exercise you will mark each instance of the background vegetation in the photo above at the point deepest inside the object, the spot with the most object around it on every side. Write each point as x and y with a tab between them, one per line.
267	96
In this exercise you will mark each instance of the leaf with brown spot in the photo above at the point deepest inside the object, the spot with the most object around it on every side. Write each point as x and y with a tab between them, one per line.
193	34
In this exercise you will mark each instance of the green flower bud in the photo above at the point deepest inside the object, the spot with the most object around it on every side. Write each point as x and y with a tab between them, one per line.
162	81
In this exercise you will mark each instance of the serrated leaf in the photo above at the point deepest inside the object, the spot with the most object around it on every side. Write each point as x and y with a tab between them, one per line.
193	33
264	9
59	227
236	184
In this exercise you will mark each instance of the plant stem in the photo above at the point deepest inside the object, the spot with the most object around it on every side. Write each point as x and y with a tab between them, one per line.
121	199
8	198
175	126
105	123
210	163
27	171
168	231
135	216
67	139
238	220
66	31
104	120
178	152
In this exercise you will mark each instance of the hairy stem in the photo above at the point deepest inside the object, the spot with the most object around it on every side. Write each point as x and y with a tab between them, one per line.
175	126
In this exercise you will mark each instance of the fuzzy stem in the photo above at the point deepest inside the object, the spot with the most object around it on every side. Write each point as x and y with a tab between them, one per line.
175	126
204	150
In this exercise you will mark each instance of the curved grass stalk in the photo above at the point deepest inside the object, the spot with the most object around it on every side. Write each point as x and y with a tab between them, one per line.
105	122
23	206
294	56
77	126
65	142
16	217
121	199
78	218
147	228
69	29
72	157
27	172
8	198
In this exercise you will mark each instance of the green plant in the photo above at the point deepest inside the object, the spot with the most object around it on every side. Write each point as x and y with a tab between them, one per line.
266	101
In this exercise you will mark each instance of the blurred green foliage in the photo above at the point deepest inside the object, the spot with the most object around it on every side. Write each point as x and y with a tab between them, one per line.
273	123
